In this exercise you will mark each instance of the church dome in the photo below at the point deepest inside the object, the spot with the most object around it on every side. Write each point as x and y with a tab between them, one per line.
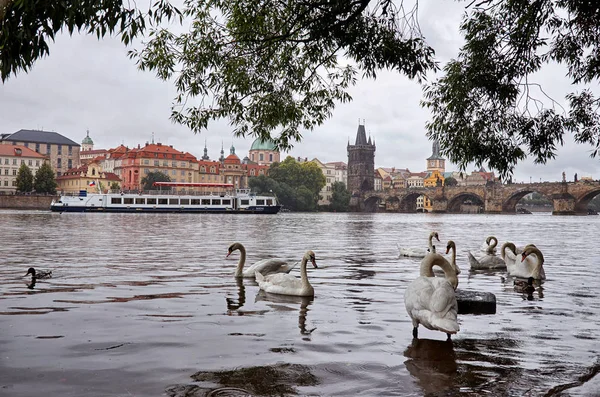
259	144
87	140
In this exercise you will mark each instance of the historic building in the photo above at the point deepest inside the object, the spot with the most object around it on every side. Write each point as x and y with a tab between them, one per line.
11	159
335	171
89	176
62	152
87	152
361	163
232	170
435	162
264	152
135	164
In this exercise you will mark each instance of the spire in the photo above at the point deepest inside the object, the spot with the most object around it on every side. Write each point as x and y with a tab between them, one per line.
361	135
231	149
153	138
205	157
222	158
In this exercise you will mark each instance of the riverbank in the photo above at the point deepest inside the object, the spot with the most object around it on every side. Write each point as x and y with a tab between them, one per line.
26	202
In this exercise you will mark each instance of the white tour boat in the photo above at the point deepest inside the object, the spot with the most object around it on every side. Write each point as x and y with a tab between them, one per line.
230	200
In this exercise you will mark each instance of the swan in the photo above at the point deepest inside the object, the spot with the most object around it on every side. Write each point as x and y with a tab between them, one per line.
529	268
420	252
510	255
39	274
489	246
431	301
264	266
451	247
489	261
286	284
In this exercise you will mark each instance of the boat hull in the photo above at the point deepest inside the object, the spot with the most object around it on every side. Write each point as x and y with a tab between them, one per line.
273	209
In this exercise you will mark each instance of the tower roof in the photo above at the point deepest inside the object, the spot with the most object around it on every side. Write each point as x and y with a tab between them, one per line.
259	144
361	135
87	140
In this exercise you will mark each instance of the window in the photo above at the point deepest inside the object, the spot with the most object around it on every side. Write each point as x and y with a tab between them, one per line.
226	201
146	170
147	162
216	201
14	182
184	201
6	161
252	172
271	157
205	201
6	183
163	201
195	201
151	201
174	163
115	200
14	172
245	202
58	163
156	163
261	157
93	171
128	200
22	161
48	148
165	163
70	150
269	201
139	200
30	162
182	173
183	164
260	202
70	163
37	147
14	161
59	149
212	170
203	169
174	172
6	171
173	201
26	144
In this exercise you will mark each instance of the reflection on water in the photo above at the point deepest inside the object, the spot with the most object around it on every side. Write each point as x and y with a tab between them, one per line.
135	307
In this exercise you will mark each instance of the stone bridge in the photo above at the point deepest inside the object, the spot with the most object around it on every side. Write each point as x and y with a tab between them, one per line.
568	198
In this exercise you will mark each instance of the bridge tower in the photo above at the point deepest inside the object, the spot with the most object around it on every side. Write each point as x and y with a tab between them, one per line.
361	162
436	162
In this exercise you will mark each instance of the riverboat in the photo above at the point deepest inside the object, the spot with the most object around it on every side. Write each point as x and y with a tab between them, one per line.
213	198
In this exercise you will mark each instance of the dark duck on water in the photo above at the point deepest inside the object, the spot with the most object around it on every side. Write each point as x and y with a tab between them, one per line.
39	274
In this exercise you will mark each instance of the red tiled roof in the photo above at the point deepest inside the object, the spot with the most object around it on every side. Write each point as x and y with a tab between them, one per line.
9	150
232	159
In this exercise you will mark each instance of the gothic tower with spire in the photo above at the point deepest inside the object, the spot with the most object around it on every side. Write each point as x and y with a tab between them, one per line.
361	162
436	162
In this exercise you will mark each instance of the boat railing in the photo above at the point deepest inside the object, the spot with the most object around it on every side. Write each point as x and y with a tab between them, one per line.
175	192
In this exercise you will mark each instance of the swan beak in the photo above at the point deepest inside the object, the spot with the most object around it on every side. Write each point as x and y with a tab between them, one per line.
314	263
447	250
227	256
523	256
437	238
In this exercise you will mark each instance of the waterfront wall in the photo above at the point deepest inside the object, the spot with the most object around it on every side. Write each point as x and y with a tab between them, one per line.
26	202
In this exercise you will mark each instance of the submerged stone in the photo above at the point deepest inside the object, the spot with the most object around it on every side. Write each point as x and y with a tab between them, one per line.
474	302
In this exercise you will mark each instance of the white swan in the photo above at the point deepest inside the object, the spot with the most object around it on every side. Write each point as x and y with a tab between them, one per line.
431	301
489	245
490	260
529	268
420	252
451	247
286	284
264	266
510	255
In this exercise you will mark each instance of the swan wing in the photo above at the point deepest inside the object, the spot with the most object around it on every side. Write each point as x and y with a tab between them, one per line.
473	261
528	268
280	283
412	252
267	266
432	302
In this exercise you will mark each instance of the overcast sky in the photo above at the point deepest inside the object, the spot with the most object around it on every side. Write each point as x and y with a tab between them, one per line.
90	84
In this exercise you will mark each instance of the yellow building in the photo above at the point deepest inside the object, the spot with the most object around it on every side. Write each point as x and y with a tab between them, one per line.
88	177
432	179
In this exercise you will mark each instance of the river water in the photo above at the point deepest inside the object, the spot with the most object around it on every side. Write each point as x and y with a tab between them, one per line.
147	305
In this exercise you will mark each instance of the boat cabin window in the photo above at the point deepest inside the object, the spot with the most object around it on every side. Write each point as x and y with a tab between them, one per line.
163	201
185	201
205	201
173	201
245	202
216	201
128	200
152	201
269	201
226	201
195	201
140	201
115	200
260	202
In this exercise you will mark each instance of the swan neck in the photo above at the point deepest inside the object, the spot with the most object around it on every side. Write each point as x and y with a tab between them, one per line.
539	257
303	272
494	242
241	262
431	242
510	246
438	260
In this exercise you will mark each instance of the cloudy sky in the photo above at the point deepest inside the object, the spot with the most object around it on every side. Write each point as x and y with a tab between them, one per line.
90	84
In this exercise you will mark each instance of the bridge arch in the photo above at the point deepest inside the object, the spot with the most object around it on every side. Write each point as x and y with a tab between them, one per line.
510	204
408	203
454	203
371	203
581	203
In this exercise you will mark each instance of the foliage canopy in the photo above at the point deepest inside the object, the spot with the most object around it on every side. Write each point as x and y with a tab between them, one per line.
44	181
24	179
155	176
340	197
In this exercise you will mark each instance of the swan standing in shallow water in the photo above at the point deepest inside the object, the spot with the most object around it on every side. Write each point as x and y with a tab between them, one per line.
431	301
286	284
529	268
489	261
264	266
420	252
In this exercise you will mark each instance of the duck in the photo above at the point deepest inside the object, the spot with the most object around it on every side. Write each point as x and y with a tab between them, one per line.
431	301
490	260
530	268
524	286
527	266
39	274
264	266
417	252
287	284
